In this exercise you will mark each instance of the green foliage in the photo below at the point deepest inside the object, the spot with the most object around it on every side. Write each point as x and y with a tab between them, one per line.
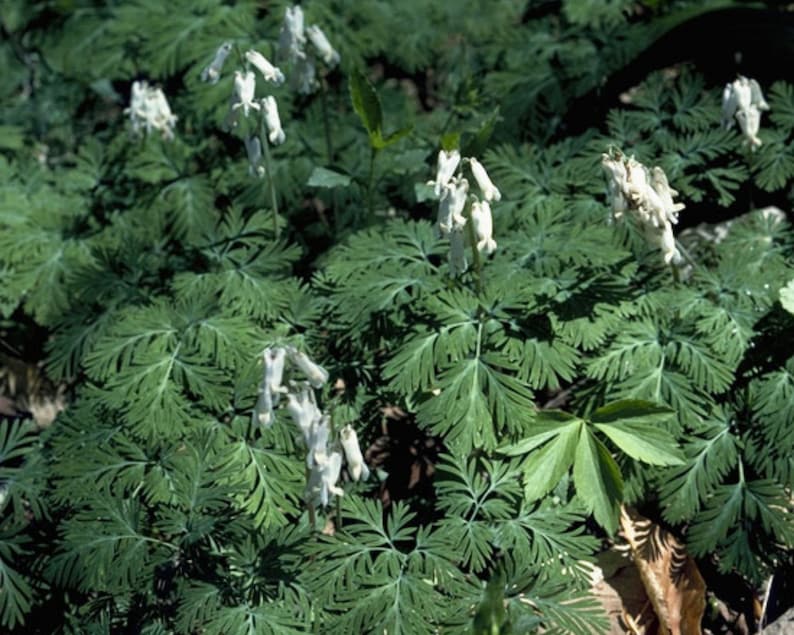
501	410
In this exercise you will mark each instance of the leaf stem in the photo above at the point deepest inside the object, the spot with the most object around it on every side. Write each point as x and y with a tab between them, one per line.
329	148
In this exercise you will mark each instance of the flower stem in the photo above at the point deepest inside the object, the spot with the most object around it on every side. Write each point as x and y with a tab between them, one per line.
371	179
270	181
475	253
329	148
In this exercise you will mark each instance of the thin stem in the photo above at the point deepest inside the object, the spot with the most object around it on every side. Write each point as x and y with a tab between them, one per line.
329	148
475	253
269	172
676	273
373	153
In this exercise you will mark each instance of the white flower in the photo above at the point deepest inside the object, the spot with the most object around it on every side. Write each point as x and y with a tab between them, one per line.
212	73
355	460
275	133
304	412
323	46
261	63
263	411
483	226
742	100
274	371
617	184
648	197
451	205
315	373
489	191
323	478
254	149
291	38
271	389
457	252
447	164
244	89
666	194
149	110
304	74
318	440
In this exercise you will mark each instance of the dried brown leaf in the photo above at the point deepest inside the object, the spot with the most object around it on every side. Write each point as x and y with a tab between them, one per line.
671	579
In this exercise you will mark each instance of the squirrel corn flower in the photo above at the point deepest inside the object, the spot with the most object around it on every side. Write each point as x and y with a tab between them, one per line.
304	75
355	460
323	478
291	38
254	149
304	412
212	73
489	191
324	49
275	132
244	89
261	63
318	440
457	252
263	411
483	226
742	100
647	196
447	164
315	373
451	205
149	110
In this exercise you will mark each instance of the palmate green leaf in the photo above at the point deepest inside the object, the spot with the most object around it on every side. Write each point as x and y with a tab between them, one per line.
544	468
597	478
635	427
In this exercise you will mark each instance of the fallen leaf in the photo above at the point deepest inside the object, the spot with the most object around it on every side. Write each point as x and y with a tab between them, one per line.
671	579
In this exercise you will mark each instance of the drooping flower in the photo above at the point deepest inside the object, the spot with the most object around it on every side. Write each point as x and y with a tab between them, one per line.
272	121
489	191
253	148
743	101
483	226
451	205
315	373
304	74
355	459
304	411
647	196
318	440
244	89
326	52
270	390
291	38
149	110
447	164
262	64
323	478
457	252
212	72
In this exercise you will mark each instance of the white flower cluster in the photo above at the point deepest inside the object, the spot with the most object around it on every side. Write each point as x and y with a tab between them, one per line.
452	190
743	101
292	48
324	461
647	196
149	110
